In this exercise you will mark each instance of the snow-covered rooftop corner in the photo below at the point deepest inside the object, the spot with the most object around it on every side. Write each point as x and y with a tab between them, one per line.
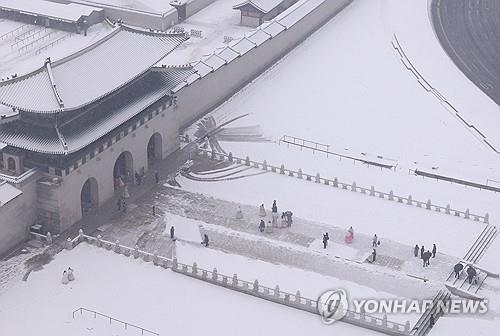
7	191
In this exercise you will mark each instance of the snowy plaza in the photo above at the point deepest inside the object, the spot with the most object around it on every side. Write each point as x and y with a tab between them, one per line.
221	167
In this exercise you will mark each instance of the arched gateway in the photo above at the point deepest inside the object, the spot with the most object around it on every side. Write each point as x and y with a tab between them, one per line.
155	148
123	171
89	196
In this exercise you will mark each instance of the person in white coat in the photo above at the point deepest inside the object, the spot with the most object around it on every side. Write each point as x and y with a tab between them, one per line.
65	279
71	276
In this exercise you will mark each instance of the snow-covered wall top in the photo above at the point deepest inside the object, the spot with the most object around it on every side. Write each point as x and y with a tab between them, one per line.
252	40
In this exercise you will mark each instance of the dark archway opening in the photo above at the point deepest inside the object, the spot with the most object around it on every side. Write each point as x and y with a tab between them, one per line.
154	149
89	196
123	170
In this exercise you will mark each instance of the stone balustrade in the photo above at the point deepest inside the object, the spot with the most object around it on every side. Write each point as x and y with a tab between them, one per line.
428	205
233	282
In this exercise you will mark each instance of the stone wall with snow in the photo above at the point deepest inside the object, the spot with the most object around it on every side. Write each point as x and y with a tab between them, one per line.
225	72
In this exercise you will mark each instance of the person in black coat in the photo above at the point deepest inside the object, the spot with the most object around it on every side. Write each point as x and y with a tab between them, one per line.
262	226
432	321
457	269
325	240
274	208
172	232
422	250
471	273
427	257
415	251
205	240
374	255
434	250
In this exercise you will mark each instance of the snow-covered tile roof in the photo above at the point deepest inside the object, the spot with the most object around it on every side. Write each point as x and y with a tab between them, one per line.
259	36
90	74
8	192
214	61
297	12
243	46
264	6
109	115
228	54
272	27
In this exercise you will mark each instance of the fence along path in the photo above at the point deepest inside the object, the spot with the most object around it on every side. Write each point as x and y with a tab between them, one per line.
380	161
346	186
126	325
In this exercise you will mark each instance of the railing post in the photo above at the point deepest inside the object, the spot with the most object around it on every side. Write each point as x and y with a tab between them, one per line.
235	280
69	244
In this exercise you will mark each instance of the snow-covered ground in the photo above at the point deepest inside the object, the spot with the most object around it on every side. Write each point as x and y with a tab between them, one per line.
341	208
139	293
346	86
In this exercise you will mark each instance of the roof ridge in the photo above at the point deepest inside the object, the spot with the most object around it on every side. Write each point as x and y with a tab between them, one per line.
53	83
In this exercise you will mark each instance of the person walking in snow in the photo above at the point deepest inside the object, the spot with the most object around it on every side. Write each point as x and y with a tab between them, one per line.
471	274
422	250
71	276
65	279
432	321
426	257
375	241
205	240
262	211
415	250
274	207
434	250
284	222
457	269
374	255
262	226
351	232
325	240
239	213
172	232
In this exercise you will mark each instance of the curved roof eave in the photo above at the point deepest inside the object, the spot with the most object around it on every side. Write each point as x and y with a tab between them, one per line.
69	107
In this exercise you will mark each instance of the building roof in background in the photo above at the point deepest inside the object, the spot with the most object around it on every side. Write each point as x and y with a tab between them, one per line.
90	74
64	12
107	116
8	192
264	6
